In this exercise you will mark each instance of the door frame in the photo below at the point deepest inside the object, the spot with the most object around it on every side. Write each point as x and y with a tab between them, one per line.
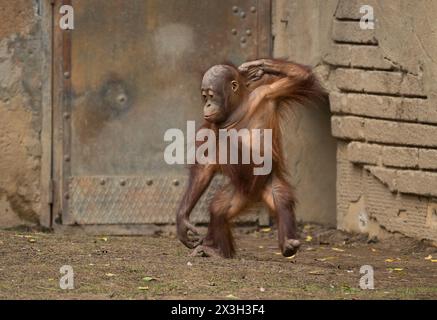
61	59
46	10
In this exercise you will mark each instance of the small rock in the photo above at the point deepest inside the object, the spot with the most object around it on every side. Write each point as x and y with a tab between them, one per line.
372	240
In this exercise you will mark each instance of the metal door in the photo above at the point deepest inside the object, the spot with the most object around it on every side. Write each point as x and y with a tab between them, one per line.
129	71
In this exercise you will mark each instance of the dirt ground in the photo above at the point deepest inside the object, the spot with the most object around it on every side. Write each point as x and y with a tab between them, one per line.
159	267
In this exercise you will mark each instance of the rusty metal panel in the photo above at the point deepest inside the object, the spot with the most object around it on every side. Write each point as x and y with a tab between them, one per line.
125	200
132	70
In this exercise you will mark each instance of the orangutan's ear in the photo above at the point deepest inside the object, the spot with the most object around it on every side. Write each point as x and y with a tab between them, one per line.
234	85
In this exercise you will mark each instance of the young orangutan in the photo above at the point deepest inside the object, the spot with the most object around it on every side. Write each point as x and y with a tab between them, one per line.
254	96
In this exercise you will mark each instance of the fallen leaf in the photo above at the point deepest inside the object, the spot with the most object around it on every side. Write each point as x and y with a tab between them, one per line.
278	253
291	257
338	249
316	272
189	264
231	296
325	259
31	240
428	257
262	289
261	247
266	229
110	275
395	269
308	238
26	236
105	239
143	288
148	279
373	249
392	259
433	260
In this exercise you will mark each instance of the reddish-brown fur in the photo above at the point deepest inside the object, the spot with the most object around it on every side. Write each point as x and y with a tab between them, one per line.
266	90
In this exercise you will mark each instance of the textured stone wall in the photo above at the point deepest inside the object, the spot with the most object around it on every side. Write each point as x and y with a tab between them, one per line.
385	116
20	112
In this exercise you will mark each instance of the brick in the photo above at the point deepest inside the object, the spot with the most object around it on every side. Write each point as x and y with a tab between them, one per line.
425	111
427	159
411	85
364	153
396	108
339	55
395	83
373	130
400	157
350	9
350	128
350	32
346	55
417	182
400	133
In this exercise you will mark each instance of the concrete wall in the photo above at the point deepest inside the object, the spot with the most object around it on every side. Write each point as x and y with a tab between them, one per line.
301	30
385	117
21	96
